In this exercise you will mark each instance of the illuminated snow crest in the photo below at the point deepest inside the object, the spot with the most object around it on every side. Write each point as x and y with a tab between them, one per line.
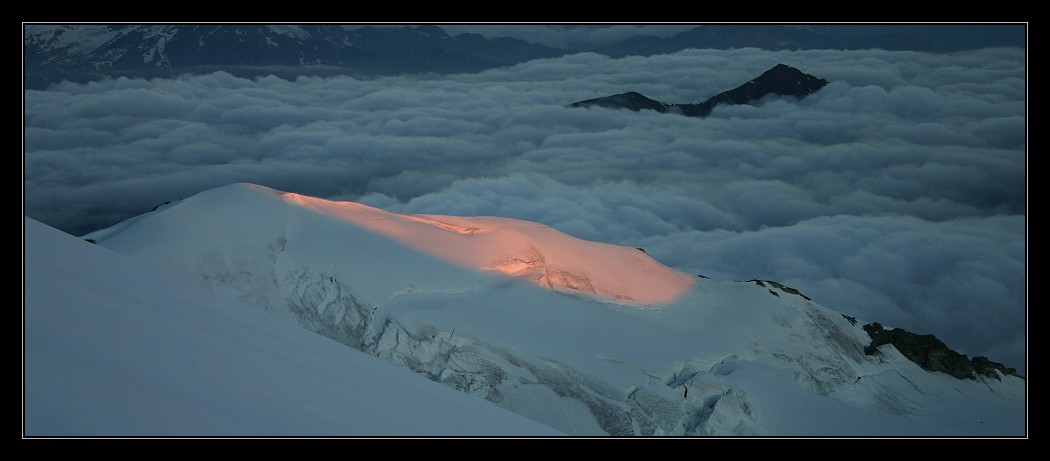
520	249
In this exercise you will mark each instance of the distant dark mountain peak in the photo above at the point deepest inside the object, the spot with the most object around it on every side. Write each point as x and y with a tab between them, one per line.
781	80
632	100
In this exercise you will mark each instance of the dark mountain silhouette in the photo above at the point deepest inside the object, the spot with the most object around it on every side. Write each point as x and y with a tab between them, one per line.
85	53
936	38
81	53
781	80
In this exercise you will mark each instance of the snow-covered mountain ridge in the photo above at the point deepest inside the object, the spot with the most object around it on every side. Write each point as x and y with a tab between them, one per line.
112	348
639	349
87	52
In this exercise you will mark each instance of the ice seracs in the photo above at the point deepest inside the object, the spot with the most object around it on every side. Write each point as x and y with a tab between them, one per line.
528	318
114	349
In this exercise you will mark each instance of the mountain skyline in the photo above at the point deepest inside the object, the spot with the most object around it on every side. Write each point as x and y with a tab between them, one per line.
621	39
91	52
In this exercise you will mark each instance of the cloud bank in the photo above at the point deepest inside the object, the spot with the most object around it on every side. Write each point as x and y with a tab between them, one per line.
895	194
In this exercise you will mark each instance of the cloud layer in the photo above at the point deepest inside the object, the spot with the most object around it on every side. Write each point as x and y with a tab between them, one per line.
896	194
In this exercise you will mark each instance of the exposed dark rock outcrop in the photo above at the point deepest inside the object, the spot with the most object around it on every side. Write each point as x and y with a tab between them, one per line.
782	80
932	354
779	286
927	351
985	367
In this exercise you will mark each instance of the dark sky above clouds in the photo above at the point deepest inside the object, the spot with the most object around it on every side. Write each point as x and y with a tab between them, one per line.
570	36
896	194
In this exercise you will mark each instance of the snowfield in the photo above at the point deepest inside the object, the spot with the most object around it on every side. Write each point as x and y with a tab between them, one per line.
579	337
112	348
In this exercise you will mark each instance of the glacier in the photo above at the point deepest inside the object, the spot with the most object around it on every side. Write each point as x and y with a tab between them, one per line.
498	309
112	348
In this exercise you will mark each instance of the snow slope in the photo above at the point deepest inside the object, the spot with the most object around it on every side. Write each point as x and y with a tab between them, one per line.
112	348
637	350
521	249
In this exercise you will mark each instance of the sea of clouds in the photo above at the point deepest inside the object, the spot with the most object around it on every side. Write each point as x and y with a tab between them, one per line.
895	194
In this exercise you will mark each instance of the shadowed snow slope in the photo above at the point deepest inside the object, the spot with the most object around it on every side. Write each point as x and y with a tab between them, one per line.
112	348
621	345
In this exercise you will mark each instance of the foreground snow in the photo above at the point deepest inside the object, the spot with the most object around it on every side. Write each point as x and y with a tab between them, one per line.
114	349
721	358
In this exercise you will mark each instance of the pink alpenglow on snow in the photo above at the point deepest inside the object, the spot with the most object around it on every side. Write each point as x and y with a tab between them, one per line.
520	249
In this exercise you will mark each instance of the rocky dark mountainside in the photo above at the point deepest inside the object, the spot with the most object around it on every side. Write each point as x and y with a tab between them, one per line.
932	354
82	53
927	351
781	80
779	286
